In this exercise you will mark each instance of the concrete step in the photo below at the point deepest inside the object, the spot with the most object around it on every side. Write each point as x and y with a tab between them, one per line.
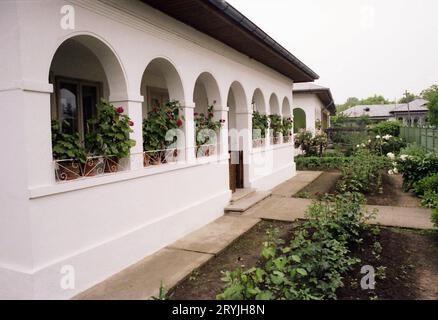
248	201
241	193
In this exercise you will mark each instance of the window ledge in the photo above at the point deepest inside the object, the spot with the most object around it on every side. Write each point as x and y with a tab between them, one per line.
271	147
90	182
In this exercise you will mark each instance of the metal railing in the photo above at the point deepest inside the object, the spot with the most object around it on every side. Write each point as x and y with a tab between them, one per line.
259	143
159	157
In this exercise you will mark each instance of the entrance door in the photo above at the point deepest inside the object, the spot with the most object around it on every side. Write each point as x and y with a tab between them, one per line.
236	170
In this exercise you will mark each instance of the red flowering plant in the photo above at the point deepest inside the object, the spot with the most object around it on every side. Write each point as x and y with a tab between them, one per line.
109	136
205	125
158	123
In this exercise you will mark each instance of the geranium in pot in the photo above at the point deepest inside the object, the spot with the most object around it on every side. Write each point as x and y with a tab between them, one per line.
68	151
156	126
206	129
110	137
275	124
286	129
260	123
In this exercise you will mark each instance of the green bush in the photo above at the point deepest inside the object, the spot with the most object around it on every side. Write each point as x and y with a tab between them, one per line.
414	149
363	173
430	199
415	168
312	265
435	217
391	127
312	145
313	163
429	183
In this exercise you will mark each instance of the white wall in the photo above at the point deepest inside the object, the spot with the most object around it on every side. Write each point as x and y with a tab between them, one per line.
311	105
101	225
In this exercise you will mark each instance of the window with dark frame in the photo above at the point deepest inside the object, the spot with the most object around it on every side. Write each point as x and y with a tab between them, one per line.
76	103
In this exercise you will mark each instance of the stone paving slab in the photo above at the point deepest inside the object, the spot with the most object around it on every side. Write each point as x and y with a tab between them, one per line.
142	280
248	201
292	186
405	217
279	208
216	236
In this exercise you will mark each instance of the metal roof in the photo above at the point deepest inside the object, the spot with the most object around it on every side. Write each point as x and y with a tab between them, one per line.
223	22
385	110
323	93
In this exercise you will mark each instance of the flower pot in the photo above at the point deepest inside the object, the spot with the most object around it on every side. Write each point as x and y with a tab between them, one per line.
146	160
111	165
92	167
68	170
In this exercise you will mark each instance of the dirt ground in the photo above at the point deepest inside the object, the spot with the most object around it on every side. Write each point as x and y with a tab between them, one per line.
410	258
392	194
410	261
205	283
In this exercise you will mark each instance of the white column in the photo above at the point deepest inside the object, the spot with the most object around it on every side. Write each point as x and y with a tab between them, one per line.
221	113
189	132
244	127
133	108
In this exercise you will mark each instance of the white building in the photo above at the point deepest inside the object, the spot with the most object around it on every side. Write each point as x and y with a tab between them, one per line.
60	57
312	106
412	113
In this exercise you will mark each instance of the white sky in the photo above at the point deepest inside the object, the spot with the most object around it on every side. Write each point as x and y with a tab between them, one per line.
358	47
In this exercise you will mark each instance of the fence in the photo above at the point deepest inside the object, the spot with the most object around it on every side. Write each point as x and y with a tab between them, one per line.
425	137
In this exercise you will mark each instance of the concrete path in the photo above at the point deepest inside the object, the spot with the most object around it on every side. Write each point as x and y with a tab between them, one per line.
173	264
292	186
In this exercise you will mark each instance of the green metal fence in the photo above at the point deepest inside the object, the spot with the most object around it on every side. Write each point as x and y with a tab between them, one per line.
426	137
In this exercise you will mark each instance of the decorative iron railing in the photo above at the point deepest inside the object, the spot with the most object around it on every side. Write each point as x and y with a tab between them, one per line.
259	143
159	157
206	150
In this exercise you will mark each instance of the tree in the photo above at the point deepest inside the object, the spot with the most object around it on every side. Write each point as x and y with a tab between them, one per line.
431	95
353	101
409	97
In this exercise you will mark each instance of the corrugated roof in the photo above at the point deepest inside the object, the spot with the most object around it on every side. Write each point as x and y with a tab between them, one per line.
385	110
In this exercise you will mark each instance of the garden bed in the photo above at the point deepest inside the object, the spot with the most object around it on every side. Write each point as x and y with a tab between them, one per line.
411	269
392	193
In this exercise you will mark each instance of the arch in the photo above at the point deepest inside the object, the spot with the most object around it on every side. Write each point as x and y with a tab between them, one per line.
67	50
285	109
258	101
238	93
236	102
160	82
206	92
299	119
274	106
83	70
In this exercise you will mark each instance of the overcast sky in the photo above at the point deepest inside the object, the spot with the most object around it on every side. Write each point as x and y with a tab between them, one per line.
358	47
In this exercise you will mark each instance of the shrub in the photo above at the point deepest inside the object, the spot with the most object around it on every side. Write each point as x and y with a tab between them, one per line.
414	149
391	127
308	163
66	146
435	217
111	134
157	125
313	264
430	199
260	123
429	183
362	173
414	168
206	127
275	124
311	145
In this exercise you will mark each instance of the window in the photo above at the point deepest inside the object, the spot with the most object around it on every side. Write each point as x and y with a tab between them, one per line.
157	97
76	103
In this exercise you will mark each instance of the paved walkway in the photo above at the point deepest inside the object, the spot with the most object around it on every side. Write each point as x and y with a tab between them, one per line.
174	263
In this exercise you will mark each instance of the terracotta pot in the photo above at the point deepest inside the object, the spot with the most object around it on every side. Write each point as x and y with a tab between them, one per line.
111	165
91	167
69	170
146	160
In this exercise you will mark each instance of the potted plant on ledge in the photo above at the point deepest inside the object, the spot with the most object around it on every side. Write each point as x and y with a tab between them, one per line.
155	131
68	152
286	129
260	124
276	127
206	130
110	138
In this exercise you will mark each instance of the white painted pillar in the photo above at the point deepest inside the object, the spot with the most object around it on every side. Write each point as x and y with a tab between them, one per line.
244	128
34	98
221	113
189	132
133	108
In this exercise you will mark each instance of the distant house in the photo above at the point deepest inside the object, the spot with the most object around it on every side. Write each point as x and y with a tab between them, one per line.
414	112
312	104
